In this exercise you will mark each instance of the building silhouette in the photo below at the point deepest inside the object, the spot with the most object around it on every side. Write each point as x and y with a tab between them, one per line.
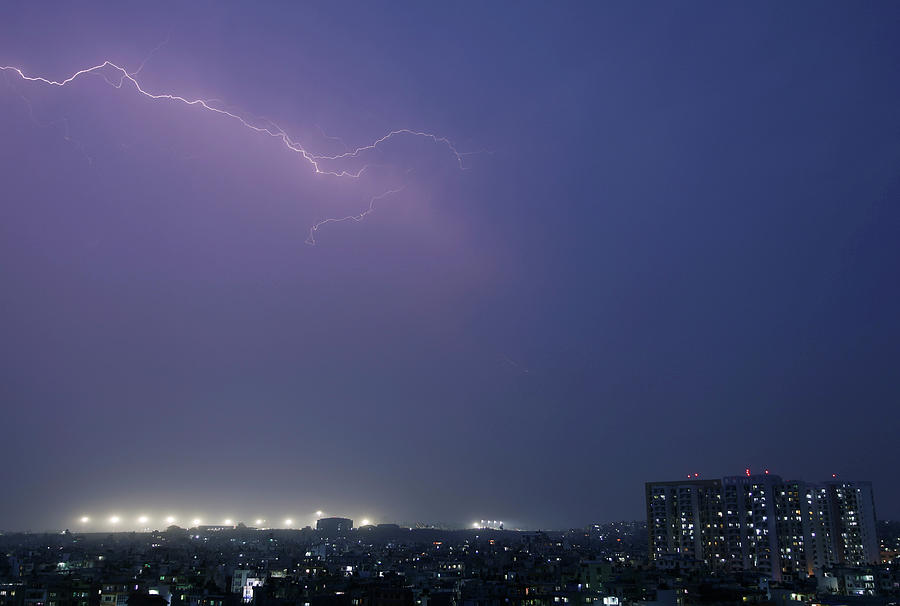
785	530
334	527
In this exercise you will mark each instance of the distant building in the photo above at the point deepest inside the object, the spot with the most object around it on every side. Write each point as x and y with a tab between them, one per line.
243	582
684	521
216	527
765	526
785	530
334	527
848	522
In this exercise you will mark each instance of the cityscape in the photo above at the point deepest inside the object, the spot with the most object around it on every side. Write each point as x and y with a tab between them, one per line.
449	303
746	539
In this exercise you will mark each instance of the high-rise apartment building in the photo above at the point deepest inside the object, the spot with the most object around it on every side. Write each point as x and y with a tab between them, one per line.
684	521
764	525
783	529
851	508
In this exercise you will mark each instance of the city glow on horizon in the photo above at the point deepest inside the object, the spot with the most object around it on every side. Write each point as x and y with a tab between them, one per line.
126	521
129	521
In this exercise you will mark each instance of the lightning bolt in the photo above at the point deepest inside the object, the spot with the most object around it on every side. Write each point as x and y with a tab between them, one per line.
118	77
311	240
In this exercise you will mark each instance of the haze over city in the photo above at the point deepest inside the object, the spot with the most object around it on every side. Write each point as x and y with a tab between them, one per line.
441	263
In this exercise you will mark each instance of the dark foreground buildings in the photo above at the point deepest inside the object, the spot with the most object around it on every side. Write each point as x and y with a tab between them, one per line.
695	558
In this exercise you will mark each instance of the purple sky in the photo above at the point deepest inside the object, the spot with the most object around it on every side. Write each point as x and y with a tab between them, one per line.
679	255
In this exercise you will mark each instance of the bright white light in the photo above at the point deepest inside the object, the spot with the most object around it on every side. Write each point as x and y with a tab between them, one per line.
142	520
228	522
289	522
114	520
365	522
476	525
85	519
170	520
319	514
258	522
196	521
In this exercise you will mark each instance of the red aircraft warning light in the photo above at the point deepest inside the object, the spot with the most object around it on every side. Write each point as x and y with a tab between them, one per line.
747	471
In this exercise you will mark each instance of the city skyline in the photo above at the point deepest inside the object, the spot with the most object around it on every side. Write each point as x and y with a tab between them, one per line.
404	261
147	520
338	565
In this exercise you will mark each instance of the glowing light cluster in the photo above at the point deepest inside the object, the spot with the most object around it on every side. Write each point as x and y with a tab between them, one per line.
339	165
145	522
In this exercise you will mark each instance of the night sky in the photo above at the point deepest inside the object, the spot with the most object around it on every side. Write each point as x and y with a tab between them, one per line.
675	251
